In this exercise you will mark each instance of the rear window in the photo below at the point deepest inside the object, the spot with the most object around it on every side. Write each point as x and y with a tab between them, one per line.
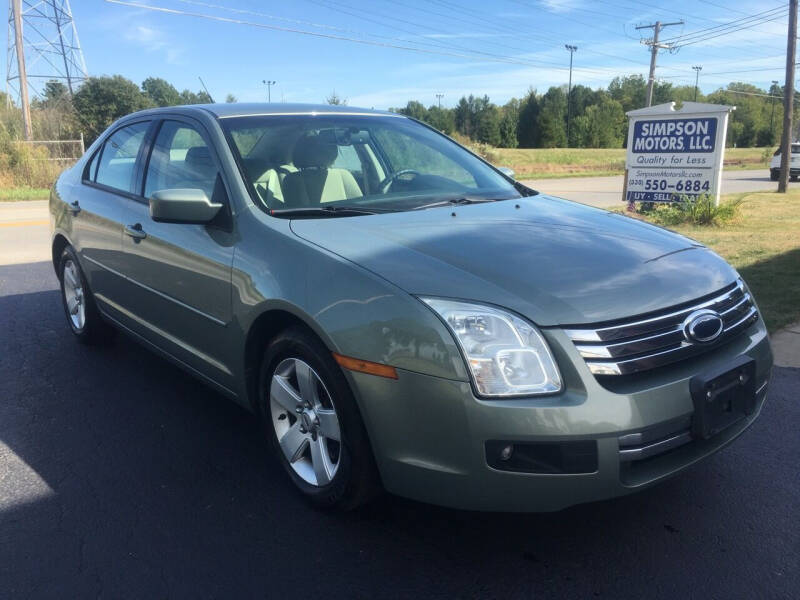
118	157
795	150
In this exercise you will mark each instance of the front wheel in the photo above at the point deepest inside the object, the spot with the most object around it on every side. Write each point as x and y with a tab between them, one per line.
313	423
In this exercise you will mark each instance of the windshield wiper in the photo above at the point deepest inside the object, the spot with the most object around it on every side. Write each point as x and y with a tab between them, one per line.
322	211
463	200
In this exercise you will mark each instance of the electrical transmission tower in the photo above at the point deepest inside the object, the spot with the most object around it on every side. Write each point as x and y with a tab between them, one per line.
655	46
43	45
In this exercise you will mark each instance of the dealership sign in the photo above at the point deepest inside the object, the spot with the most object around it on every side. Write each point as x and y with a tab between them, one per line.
675	153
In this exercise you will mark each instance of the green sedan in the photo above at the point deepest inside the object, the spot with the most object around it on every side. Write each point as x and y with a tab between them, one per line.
402	315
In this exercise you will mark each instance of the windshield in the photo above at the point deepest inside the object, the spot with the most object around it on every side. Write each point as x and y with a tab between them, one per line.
372	163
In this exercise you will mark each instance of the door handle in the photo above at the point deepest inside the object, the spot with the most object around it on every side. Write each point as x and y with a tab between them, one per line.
135	231
75	207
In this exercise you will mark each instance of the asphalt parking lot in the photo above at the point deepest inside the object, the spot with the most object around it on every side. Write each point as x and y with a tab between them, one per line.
120	476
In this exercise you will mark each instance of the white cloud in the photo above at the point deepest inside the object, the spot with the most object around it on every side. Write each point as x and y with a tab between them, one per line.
560	6
154	40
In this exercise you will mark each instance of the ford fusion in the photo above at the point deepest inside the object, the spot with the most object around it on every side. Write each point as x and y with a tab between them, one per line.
400	314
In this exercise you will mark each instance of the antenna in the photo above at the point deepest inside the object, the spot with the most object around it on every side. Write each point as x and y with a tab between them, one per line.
205	88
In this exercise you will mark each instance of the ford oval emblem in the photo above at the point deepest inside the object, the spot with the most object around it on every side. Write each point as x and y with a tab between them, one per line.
702	326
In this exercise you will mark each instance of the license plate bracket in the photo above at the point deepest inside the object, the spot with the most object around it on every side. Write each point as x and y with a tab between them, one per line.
723	396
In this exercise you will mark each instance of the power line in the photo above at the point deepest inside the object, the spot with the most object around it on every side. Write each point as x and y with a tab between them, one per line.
729	27
396	46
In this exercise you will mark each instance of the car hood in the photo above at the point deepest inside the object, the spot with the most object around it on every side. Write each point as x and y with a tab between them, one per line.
554	261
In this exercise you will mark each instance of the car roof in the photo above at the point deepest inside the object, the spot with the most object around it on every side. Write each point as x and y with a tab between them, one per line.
237	109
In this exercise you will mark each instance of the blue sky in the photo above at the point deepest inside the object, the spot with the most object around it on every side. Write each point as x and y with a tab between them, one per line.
499	48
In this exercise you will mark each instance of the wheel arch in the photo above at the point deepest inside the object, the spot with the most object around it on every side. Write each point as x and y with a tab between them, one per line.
60	242
265	327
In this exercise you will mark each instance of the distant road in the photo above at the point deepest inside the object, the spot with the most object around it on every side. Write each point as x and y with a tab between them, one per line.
25	231
607	191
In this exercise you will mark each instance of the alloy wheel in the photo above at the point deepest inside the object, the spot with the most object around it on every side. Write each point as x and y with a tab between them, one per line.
74	295
305	422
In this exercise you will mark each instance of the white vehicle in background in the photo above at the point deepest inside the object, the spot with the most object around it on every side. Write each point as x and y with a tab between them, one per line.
794	165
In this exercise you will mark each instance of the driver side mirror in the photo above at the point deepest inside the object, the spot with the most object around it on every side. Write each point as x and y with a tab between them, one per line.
182	206
507	172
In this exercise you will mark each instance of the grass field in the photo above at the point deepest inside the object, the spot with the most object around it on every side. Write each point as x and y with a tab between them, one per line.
15	194
763	243
540	163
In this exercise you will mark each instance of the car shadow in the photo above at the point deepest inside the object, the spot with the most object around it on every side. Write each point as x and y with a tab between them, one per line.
122	476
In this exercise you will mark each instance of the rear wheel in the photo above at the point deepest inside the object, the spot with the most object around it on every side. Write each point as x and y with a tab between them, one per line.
83	317
313	423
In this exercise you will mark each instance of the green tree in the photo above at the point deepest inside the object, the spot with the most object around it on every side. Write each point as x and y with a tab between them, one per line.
487	123
102	100
415	110
551	122
527	123
161	92
442	119
55	94
190	97
629	91
509	124
464	116
604	124
231	99
335	99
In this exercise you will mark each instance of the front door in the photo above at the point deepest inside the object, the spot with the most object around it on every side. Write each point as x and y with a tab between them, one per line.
97	210
179	275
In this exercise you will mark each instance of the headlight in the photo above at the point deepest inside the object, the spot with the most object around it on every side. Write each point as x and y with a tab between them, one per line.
506	355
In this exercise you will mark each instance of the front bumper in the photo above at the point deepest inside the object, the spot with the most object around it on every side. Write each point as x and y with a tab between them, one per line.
429	434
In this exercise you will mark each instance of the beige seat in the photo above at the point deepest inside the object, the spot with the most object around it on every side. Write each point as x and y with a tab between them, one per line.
316	182
269	185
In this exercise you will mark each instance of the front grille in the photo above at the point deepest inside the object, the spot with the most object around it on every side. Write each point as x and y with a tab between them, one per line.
641	344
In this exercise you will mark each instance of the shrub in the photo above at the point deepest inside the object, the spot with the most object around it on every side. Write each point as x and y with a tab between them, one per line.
700	211
27	165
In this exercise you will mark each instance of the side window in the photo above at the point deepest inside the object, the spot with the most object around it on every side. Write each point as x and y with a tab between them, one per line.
347	158
180	159
118	157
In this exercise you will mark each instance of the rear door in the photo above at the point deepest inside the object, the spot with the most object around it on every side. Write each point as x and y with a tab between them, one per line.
179	275
108	181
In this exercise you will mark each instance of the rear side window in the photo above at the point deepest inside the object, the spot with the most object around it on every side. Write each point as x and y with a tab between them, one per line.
180	159
118	157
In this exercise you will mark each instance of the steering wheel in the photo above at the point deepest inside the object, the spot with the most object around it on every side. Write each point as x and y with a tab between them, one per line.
384	185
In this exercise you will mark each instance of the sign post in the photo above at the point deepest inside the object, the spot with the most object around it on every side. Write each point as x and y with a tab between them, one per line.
675	154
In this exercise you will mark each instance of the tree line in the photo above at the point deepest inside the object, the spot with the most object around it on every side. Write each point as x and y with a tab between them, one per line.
593	118
596	118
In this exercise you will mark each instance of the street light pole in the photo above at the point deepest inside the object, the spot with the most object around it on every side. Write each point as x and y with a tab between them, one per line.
269	85
697	69
571	49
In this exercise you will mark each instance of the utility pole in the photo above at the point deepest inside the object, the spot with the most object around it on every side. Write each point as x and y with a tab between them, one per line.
23	75
654	48
697	69
788	99
571	49
772	113
439	99
269	85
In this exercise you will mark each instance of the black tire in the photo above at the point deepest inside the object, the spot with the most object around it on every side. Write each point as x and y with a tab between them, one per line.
356	480
94	329
774	175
